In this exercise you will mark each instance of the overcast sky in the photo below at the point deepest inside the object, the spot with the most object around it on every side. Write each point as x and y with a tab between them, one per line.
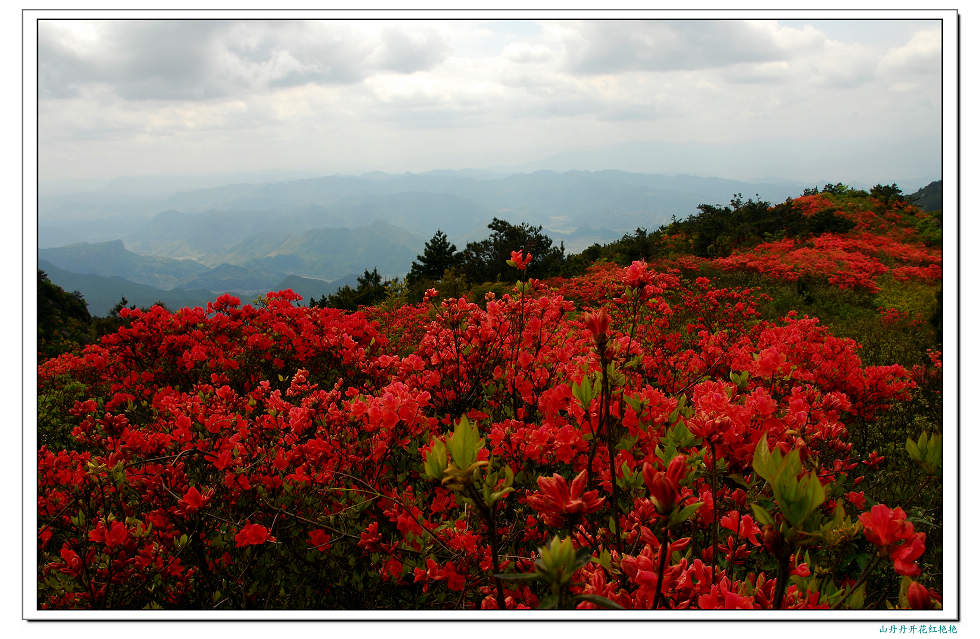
857	101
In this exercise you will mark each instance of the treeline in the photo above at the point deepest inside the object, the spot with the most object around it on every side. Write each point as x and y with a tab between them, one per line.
714	231
456	272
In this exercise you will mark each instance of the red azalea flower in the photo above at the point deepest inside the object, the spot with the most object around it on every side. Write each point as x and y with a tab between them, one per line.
320	539
903	557
884	526
664	486
556	499
637	274
192	500
520	260
117	535
597	323
857	499
918	596
874	459
889	530
73	563
252	535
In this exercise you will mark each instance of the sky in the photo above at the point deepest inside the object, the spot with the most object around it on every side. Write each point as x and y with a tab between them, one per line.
816	101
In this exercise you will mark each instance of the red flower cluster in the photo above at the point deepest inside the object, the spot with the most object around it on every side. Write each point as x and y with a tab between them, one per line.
252	535
520	260
894	535
558	502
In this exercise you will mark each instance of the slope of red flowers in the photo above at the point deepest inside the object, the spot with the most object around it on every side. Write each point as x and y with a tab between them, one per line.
627	429
882	243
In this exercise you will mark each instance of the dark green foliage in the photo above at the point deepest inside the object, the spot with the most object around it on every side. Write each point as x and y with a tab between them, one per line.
827	221
439	254
887	194
837	189
486	261
715	231
54	422
63	320
930	228
370	290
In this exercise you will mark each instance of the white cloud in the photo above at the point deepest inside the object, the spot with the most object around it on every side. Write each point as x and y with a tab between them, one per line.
327	95
919	56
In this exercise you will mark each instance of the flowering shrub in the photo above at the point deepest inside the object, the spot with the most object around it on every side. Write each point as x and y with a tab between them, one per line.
631	438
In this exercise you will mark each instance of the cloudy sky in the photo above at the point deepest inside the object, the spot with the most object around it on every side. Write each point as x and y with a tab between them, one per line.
857	101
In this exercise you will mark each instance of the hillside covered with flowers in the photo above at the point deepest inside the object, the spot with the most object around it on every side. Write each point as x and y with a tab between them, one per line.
736	417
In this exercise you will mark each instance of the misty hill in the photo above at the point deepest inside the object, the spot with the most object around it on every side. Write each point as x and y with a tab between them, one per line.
102	293
929	197
113	259
202	223
231	277
330	253
616	200
255	264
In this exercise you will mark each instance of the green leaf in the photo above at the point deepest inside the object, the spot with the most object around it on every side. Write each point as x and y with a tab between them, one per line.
762	515
682	515
762	461
627	443
913	450
465	443
436	461
856	600
583	392
518	576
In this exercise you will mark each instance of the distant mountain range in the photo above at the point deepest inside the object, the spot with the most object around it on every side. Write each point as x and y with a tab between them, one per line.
316	234
580	206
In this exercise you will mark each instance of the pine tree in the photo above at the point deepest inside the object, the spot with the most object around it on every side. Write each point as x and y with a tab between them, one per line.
439	254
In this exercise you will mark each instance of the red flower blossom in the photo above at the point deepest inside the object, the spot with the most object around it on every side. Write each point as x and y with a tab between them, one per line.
857	499
557	500
520	261
117	535
252	535
192	500
903	557
874	459
597	323
665	487
889	530
320	539
637	274
884	526
920	597
73	563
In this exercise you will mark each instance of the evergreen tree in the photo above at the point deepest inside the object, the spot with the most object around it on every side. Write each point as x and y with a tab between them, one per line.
486	261
439	255
370	290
